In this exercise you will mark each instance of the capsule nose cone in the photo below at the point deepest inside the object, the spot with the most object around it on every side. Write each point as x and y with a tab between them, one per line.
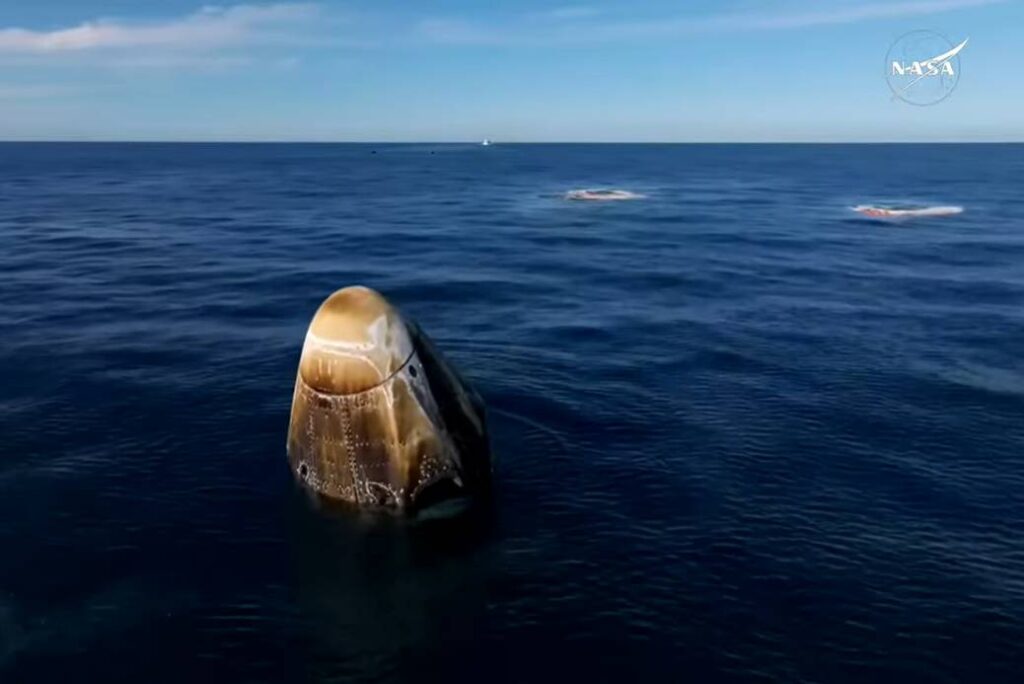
378	416
356	341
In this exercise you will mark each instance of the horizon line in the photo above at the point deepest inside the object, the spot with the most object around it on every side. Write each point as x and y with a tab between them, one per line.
74	141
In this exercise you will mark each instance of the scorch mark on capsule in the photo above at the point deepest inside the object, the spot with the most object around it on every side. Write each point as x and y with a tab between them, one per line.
378	416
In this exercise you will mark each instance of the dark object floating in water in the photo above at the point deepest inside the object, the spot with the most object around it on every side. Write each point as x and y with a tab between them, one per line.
601	195
378	416
906	212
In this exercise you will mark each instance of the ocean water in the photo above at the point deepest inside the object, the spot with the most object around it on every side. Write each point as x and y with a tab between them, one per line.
741	433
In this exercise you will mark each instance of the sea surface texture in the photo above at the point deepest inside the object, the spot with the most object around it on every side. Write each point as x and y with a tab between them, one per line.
741	432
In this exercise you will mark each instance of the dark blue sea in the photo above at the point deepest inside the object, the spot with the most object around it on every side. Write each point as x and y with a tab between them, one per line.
741	433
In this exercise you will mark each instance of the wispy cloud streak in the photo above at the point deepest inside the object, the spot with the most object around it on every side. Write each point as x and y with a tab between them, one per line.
572	12
211	27
573	28
35	92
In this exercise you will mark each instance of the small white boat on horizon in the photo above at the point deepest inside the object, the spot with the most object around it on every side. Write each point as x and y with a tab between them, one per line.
486	142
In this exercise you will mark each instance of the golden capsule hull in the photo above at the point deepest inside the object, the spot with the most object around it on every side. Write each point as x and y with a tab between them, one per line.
414	437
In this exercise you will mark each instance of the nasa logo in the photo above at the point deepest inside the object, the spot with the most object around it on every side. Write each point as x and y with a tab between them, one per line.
923	67
926	68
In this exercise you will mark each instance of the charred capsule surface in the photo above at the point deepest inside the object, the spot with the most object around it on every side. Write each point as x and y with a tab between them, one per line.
379	418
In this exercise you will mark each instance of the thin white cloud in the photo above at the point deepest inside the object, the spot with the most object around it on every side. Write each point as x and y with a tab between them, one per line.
581	28
35	92
460	32
210	27
841	13
572	12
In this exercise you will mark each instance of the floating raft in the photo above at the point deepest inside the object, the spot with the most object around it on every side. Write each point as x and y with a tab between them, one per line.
906	212
601	195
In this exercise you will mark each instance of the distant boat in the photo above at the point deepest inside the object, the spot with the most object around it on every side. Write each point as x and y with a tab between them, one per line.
485	142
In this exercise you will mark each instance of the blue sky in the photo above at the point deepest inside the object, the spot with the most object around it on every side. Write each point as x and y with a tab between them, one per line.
736	70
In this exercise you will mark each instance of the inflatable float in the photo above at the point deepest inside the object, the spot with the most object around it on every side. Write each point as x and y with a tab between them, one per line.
905	212
601	195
